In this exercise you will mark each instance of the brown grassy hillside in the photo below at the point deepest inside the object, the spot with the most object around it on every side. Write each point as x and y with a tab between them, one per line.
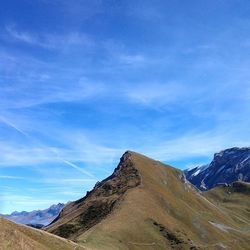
148	205
19	237
233	199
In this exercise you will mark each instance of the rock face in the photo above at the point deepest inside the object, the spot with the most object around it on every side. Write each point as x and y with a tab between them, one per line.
36	218
97	204
226	167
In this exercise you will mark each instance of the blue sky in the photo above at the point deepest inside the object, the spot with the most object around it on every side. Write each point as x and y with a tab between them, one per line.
83	81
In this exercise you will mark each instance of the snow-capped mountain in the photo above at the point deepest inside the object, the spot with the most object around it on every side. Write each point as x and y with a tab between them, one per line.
36	218
227	166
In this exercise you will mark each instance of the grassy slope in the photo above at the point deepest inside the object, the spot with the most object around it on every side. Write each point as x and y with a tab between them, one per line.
233	199
164	212
19	237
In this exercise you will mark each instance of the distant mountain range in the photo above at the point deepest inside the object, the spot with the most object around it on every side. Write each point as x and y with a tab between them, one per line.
36	218
227	166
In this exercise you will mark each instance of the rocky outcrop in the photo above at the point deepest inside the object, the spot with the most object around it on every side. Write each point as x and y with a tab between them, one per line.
227	166
79	216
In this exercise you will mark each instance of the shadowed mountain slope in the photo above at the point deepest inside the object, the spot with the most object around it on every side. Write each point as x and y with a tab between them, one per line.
20	237
227	166
145	204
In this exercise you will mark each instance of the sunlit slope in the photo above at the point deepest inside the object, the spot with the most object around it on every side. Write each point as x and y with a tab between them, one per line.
19	237
233	199
159	210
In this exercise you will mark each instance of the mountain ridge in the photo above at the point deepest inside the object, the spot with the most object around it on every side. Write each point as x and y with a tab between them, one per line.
227	166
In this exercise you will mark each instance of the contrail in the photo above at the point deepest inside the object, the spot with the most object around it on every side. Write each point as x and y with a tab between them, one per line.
10	124
78	168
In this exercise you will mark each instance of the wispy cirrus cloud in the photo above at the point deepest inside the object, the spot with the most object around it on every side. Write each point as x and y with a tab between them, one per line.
28	155
158	94
8	199
36	152
69	181
135	60
80	148
11	177
193	145
77	90
48	40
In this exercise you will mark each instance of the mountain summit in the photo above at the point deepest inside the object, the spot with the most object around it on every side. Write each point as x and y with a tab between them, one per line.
147	204
227	166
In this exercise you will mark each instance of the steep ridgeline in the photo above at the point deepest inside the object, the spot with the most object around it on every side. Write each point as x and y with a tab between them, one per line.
146	204
226	167
36	218
79	216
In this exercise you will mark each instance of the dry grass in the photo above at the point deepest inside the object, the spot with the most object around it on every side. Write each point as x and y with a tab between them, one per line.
234	200
19	237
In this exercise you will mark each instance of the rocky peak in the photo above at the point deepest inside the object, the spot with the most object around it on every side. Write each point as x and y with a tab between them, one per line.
227	166
99	202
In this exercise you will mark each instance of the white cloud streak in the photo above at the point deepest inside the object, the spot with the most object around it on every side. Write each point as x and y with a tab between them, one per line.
26	201
39	153
10	177
8	123
78	168
157	94
49	41
193	145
